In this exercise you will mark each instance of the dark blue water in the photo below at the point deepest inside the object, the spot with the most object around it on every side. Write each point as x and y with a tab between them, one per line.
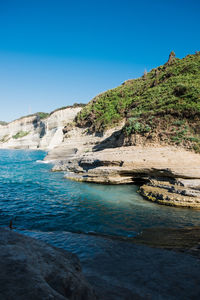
39	200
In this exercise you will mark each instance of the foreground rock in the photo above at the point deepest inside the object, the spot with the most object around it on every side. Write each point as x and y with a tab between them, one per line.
31	269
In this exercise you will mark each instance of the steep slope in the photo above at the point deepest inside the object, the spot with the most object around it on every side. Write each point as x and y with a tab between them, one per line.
162	106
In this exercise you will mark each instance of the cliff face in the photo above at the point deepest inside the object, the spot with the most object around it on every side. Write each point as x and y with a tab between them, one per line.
32	132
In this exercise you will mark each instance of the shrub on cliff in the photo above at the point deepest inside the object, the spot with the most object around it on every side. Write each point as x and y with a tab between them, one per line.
20	134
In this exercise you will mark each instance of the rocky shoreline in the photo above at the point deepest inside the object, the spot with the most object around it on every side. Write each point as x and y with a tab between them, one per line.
143	267
167	175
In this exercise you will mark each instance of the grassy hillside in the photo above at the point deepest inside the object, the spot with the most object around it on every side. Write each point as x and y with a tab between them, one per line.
163	104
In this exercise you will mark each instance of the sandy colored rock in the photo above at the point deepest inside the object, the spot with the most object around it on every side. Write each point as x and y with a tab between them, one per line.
171	175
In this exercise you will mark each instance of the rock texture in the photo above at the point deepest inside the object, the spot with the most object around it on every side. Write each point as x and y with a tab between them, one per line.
34	270
171	175
77	142
34	133
185	239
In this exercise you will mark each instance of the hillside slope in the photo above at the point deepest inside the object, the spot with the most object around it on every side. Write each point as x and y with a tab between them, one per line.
162	106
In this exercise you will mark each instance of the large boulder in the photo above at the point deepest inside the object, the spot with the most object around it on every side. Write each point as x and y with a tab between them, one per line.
34	270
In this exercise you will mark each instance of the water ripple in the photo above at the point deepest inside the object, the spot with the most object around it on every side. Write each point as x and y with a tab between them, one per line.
38	199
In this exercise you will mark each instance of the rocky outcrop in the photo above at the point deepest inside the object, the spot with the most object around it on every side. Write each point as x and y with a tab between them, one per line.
174	192
32	132
32	269
171	194
77	142
169	175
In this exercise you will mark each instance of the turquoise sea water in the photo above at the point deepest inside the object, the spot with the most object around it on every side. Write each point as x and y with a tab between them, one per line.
44	205
39	200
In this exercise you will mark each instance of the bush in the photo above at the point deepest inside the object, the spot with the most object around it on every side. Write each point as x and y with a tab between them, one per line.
42	115
180	90
20	134
135	126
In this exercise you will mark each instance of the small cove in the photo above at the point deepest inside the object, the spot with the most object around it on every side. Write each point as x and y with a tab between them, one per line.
37	199
44	205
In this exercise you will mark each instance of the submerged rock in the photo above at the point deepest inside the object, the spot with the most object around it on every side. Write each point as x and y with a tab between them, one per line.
34	270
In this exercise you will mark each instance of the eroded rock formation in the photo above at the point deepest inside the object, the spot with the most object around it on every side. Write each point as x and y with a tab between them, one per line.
169	175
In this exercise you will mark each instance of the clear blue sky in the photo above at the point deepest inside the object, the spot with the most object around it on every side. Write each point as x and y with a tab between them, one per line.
57	52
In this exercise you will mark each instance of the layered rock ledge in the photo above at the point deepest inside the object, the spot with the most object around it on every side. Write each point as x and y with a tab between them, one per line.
169	175
32	269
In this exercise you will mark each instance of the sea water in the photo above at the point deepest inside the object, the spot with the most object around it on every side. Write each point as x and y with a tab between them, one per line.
37	199
45	204
80	217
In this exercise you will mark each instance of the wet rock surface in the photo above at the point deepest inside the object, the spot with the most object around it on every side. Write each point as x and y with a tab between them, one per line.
185	239
32	269
127	269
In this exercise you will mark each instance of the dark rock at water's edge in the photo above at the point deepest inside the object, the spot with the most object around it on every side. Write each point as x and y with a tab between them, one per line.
32	269
185	239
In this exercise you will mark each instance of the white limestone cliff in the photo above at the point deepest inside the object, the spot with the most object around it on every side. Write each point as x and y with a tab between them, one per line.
31	132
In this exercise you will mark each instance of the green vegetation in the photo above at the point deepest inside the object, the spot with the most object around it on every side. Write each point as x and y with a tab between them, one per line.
164	103
20	134
135	126
3	123
42	115
4	139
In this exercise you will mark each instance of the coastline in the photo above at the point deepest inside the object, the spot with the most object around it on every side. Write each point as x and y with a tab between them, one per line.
140	271
167	175
138	257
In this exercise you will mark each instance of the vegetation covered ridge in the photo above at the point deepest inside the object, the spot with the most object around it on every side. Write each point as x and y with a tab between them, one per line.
162	105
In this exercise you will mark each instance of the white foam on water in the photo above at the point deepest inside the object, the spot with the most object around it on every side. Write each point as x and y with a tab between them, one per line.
44	161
